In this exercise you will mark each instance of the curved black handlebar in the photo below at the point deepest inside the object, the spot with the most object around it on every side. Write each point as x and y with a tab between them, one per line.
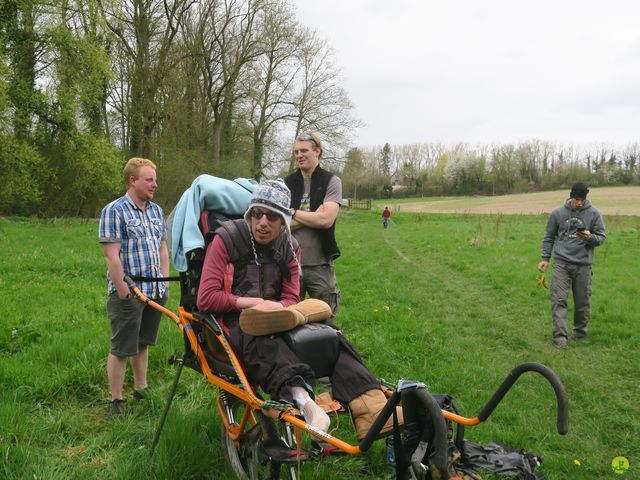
561	394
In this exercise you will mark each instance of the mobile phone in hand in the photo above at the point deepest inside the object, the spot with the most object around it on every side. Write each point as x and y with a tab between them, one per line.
580	229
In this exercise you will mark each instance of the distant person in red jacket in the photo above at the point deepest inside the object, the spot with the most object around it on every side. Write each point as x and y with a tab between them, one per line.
386	215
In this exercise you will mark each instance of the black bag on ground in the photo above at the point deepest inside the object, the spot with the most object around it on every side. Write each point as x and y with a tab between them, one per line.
501	460
465	459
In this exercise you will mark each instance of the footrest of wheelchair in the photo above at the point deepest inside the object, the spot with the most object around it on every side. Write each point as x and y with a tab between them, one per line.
326	449
278	452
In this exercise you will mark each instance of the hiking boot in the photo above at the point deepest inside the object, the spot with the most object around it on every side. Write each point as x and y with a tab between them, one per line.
365	410
560	343
116	408
141	394
577	337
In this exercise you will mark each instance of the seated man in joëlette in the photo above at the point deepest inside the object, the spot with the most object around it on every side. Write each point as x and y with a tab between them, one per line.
266	278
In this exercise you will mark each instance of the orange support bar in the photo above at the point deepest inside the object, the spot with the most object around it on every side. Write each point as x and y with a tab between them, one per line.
471	422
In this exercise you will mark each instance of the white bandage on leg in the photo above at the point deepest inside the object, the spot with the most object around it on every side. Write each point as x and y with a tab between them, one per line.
313	414
300	396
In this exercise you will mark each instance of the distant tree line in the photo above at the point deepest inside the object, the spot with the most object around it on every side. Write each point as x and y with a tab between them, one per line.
431	169
219	87
207	86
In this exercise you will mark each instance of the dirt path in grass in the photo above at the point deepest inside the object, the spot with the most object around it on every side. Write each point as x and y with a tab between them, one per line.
609	200
398	252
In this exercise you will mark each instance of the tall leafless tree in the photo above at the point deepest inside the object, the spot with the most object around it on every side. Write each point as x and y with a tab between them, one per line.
146	30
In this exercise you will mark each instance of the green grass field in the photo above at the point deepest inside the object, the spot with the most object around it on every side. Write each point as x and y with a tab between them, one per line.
450	300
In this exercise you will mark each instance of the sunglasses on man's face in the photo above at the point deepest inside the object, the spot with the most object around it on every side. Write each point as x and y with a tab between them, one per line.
258	214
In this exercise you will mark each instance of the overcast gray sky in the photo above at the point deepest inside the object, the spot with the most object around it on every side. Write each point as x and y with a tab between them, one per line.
488	71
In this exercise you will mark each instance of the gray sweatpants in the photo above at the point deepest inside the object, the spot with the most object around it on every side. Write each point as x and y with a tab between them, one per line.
577	278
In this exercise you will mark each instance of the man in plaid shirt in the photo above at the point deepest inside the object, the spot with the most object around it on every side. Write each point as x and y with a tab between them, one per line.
133	234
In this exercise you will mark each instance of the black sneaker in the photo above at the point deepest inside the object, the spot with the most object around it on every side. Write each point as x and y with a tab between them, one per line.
142	394
116	408
576	337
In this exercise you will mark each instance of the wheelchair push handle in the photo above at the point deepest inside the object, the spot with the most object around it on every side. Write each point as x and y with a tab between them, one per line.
562	421
132	285
136	293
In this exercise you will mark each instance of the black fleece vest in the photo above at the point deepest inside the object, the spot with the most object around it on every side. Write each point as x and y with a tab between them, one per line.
264	279
319	182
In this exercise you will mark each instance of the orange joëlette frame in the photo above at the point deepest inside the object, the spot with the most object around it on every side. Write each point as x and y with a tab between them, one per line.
245	393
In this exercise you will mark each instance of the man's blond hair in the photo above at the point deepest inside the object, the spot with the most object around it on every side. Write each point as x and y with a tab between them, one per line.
133	166
314	139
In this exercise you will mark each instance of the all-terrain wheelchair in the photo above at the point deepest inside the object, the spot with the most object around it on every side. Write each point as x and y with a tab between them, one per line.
266	439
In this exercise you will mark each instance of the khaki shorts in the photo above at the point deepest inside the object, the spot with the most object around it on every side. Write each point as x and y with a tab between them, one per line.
133	323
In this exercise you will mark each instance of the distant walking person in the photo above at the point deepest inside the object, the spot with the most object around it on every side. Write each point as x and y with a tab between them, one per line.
386	216
316	196
573	231
132	232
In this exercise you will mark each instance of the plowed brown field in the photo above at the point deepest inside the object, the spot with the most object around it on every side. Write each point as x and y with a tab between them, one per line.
609	200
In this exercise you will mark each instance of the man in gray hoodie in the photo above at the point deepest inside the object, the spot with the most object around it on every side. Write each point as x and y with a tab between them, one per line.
574	229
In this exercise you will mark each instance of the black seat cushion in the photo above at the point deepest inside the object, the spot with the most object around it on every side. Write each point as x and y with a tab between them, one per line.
317	345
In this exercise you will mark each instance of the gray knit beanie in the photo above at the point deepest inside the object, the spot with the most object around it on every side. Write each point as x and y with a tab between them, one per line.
273	195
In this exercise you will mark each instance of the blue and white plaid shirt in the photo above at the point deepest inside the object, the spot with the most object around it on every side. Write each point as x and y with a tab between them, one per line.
141	234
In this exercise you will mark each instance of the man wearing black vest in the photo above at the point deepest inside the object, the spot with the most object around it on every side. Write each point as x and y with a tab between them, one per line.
316	195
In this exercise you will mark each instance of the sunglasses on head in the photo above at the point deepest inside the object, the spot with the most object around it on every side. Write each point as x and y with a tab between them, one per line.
258	214
305	137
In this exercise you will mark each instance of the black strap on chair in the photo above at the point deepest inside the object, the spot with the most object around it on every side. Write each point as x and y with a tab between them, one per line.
140	278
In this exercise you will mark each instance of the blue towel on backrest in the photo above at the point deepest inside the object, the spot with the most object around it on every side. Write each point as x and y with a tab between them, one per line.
205	193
